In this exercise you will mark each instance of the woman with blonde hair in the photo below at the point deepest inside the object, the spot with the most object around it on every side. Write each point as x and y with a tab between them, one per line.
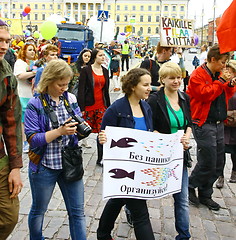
171	112
46	141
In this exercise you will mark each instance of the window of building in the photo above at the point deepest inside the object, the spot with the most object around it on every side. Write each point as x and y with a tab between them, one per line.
118	7
76	18
35	16
125	18
43	6
174	8
117	29
124	29
157	29
149	18
141	18
149	30
141	8
21	6
35	6
91	6
51	7
117	18
83	7
76	7
28	17
13	6
173	16
134	8
6	15
58	6
157	18
43	16
109	7
158	8
5	6
99	6
181	17
141	29
83	18
126	7
149	8
13	15
133	29
166	8
182	8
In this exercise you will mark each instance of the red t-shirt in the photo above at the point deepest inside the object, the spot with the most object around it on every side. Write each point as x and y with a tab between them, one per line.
99	83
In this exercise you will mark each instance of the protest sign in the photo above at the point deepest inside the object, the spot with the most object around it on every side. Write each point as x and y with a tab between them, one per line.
141	164
177	32
107	60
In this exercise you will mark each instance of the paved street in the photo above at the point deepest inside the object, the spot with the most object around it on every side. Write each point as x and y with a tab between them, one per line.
205	224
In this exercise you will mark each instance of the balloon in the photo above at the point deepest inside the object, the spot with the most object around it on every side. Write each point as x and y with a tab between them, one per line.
27	9
36	34
196	39
48	30
27	33
24	14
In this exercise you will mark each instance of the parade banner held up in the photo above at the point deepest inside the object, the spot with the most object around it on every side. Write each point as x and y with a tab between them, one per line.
177	32
141	164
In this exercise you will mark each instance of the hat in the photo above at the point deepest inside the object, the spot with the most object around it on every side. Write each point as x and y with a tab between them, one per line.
2	23
29	38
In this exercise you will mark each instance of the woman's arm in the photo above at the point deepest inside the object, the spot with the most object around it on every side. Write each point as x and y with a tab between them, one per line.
186	138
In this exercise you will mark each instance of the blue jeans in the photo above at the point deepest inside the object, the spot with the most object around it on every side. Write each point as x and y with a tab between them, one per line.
182	209
42	184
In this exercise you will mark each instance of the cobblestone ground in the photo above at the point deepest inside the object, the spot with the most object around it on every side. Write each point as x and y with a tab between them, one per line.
204	224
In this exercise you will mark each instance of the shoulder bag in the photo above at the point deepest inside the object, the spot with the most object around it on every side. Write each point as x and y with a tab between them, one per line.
72	161
187	156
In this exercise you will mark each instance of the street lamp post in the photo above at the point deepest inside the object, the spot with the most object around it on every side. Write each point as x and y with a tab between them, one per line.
202	25
213	25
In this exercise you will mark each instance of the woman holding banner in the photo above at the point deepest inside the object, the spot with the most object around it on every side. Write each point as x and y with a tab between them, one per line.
171	112
129	111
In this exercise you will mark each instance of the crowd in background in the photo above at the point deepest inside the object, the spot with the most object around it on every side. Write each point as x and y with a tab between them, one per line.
39	72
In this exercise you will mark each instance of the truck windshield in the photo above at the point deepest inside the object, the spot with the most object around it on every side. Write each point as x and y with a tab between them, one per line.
69	34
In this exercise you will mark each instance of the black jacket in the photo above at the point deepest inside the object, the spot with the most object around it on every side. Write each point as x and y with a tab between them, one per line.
86	88
160	116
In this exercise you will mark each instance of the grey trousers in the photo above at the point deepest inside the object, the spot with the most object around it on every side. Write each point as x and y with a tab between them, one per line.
210	157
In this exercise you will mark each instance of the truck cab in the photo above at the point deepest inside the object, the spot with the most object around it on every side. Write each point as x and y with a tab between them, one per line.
74	38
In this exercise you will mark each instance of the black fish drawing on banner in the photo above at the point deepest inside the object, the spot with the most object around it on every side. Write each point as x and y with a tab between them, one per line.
123	142
120	173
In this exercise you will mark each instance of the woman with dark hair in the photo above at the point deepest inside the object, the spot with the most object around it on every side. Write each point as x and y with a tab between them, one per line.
93	93
83	60
130	111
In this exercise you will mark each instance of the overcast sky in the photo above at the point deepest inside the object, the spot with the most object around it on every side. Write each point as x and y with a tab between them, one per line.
195	9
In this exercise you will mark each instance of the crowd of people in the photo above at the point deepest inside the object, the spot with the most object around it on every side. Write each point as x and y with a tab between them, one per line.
37	89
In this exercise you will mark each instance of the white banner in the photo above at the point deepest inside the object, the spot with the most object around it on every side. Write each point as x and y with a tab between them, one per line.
141	164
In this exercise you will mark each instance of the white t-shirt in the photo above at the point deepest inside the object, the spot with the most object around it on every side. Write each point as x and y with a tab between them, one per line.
203	57
24	88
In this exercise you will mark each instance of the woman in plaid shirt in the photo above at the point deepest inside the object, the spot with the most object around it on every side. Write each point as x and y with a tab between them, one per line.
46	141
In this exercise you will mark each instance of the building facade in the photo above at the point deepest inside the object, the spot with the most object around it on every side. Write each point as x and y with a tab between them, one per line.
141	18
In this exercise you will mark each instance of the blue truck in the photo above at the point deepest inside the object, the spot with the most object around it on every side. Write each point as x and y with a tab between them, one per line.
74	38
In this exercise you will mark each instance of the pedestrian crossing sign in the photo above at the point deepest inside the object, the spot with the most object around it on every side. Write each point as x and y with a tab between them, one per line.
102	15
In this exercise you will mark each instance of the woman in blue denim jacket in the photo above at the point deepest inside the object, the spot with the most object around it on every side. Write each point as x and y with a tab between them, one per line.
45	167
